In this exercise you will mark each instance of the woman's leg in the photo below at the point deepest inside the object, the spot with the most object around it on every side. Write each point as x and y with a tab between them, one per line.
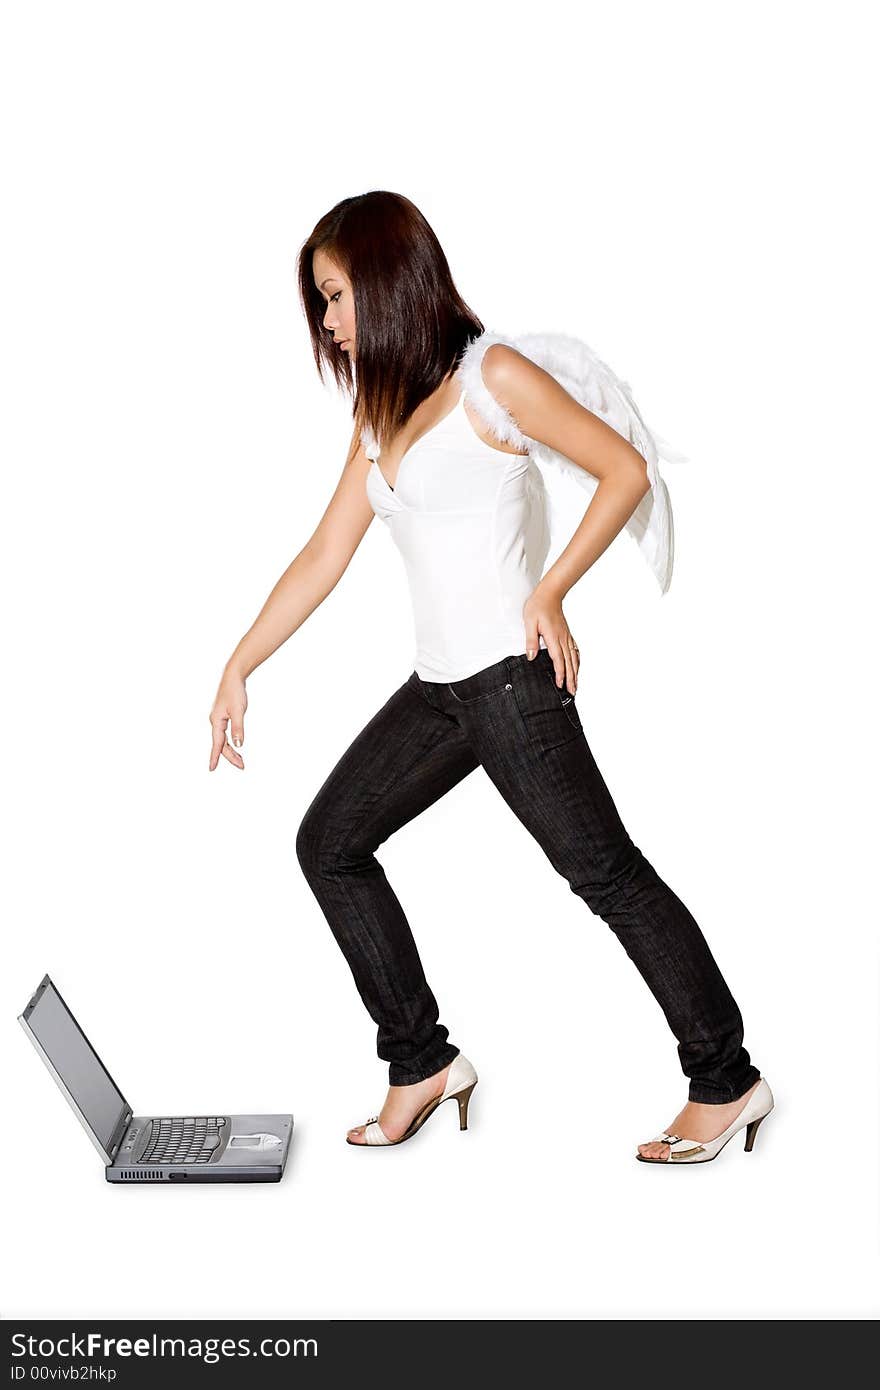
401	762
528	736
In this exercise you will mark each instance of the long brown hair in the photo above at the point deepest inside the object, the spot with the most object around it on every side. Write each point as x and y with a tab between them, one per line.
411	324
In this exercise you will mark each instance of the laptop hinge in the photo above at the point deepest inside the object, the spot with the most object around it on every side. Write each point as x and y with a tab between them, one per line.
118	1134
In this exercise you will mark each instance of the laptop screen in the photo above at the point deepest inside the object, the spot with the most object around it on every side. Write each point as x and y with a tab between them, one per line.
91	1087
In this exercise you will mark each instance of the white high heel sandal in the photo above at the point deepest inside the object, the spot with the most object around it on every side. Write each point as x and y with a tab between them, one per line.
460	1081
756	1109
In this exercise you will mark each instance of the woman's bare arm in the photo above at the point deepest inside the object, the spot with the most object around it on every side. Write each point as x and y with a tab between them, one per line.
303	586
315	571
544	410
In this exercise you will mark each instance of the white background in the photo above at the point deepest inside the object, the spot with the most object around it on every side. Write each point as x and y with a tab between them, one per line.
687	188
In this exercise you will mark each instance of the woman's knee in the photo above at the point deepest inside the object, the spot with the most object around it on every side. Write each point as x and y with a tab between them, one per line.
325	845
612	880
313	843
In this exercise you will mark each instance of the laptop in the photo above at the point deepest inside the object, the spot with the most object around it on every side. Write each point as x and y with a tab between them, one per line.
149	1148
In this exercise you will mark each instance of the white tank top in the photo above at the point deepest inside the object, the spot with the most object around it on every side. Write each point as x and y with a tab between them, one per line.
469	521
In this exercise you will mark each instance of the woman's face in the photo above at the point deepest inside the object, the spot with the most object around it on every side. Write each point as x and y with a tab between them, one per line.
334	285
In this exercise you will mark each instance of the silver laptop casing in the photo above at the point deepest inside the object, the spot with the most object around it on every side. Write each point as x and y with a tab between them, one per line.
254	1148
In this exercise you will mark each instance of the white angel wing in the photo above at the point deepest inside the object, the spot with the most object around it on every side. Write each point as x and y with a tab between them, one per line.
594	385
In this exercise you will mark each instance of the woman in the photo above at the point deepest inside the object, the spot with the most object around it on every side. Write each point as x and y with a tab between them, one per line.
496	668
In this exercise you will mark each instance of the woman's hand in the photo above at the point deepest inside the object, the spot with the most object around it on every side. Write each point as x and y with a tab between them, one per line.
229	706
543	616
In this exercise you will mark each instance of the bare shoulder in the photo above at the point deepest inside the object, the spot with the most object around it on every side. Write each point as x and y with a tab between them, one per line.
504	366
515	380
528	392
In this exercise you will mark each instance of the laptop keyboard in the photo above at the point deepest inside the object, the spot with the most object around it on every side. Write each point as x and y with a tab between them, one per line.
189	1140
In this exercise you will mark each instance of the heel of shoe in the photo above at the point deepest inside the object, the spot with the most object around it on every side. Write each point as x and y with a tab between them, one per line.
752	1130
463	1098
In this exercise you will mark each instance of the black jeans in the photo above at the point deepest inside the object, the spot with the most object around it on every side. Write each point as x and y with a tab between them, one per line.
526	733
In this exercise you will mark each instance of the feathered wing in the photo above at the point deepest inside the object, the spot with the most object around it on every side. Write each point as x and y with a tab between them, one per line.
594	385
